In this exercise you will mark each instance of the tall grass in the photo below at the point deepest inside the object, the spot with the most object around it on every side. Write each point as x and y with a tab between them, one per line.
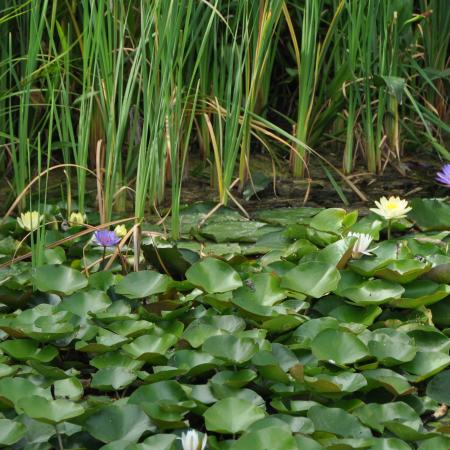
142	92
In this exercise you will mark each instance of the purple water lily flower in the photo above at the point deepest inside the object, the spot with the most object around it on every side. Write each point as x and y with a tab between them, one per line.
106	238
443	176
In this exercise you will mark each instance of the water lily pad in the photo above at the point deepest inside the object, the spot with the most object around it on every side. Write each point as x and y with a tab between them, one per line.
425	365
373	292
69	388
232	415
391	347
26	349
213	276
403	270
242	231
118	422
314	279
430	213
11	431
421	293
143	284
333	220
85	302
58	279
150	347
337	421
376	415
231	348
346	348
112	378
439	387
49	411
275	438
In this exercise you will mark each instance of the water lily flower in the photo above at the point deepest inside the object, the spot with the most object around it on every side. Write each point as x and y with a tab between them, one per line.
443	176
30	220
191	440
391	208
105	238
120	230
361	245
76	218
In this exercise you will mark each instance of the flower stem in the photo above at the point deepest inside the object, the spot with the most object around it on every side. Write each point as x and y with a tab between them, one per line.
389	230
102	264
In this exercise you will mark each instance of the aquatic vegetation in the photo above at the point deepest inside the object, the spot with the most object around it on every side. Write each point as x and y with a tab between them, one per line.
300	328
105	238
443	176
391	208
191	440
362	244
30	220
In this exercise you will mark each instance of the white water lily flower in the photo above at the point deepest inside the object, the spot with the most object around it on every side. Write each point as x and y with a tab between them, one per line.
120	230
76	218
360	247
392	208
30	220
191	440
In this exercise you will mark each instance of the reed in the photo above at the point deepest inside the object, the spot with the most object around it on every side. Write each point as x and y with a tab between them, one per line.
135	91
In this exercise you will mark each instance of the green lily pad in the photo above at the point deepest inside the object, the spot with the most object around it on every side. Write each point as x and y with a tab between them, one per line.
373	292
58	279
11	431
118	422
232	415
346	348
231	348
26	349
425	365
143	284
150	347
430	213
421	293
391	347
403	270
439	387
241	231
112	378
314	279
49	411
82	303
275	438
337	421
213	276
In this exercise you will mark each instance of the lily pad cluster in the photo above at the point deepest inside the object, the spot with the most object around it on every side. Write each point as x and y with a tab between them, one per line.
261	334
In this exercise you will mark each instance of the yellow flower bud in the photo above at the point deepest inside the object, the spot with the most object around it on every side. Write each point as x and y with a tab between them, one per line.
120	230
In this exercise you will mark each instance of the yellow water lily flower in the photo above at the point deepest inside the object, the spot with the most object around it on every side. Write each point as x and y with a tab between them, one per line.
30	220
76	218
120	230
391	208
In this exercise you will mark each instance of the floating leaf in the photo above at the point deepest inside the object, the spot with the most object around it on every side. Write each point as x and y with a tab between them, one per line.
58	279
373	292
439	387
213	275
346	348
11	431
337	421
49	411
231	348
118	422
273	437
143	284
232	415
314	279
